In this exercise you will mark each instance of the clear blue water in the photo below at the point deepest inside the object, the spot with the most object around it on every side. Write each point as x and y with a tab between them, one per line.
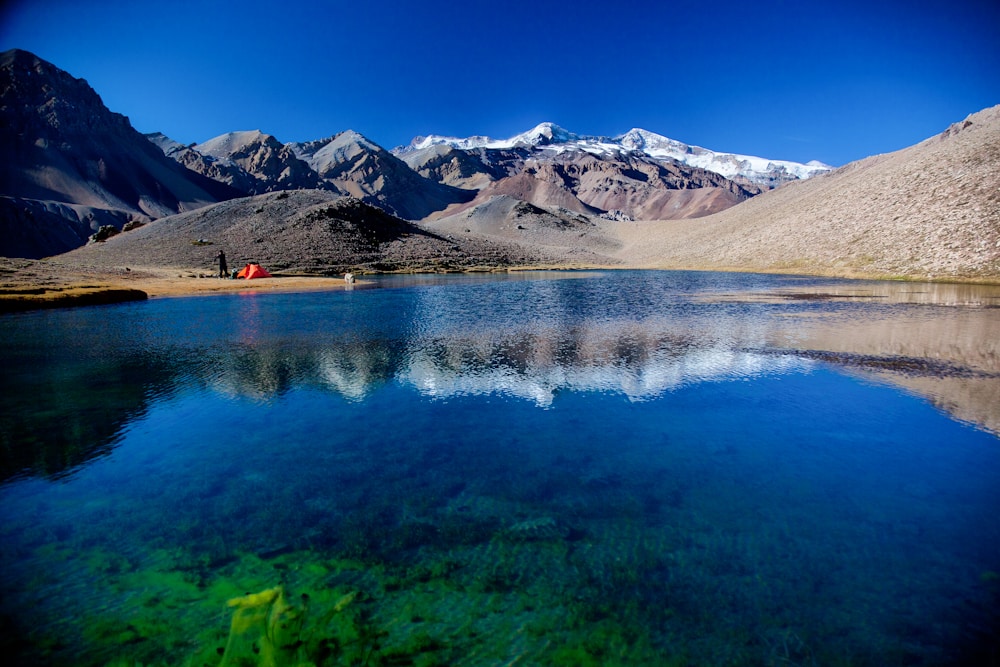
593	468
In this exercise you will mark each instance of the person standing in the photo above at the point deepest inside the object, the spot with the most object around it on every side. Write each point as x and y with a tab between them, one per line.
223	269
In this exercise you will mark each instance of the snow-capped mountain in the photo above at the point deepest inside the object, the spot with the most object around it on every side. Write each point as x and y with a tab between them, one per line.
731	165
547	135
551	138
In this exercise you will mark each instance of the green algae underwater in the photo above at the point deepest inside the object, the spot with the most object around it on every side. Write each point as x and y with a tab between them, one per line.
492	471
420	616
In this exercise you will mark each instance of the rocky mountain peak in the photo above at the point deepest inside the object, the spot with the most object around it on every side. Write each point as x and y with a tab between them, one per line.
327	156
544	134
252	160
235	143
51	100
67	160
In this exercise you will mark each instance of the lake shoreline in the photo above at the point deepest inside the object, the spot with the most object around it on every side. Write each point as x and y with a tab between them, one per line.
41	284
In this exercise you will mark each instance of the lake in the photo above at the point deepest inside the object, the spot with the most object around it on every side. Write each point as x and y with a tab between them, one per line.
579	468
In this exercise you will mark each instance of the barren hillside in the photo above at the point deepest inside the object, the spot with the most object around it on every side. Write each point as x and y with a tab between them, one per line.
296	232
931	210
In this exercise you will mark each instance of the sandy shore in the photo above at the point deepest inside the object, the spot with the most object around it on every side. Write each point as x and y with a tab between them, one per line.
31	285
49	283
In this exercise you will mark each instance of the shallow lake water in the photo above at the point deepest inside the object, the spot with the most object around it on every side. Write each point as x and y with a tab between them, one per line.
591	468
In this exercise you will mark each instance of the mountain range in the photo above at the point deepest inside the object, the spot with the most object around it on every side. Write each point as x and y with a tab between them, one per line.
551	139
71	166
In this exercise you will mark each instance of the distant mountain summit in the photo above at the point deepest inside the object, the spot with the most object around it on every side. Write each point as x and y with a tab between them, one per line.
269	164
549	166
549	137
346	164
69	165
543	134
352	164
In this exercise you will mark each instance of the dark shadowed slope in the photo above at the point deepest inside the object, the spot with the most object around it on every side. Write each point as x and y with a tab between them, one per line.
59	143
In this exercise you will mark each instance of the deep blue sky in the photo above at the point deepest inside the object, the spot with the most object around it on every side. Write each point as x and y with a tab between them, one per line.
829	80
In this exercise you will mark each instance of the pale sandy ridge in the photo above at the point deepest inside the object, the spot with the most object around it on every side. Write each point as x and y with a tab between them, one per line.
929	211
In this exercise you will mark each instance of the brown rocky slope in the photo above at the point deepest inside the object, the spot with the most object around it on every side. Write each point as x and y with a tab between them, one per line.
640	187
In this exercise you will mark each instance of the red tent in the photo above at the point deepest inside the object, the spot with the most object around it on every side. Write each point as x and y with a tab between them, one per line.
253	271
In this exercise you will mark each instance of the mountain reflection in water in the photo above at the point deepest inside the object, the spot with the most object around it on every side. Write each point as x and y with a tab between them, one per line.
82	376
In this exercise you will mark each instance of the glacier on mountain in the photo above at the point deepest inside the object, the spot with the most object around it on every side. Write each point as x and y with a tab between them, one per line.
549	137
543	134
